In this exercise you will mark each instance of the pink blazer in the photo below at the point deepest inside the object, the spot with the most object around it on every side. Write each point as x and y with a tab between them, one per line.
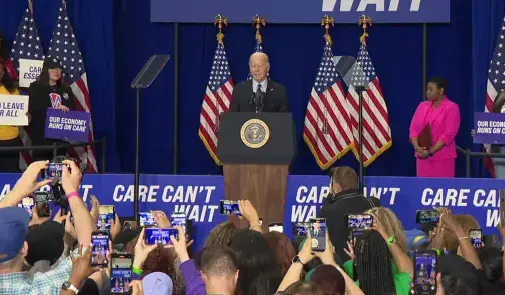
444	124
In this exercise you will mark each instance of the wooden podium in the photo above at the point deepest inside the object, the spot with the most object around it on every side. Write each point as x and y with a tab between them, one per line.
256	151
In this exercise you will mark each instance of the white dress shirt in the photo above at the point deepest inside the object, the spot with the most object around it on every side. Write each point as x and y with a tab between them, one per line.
263	85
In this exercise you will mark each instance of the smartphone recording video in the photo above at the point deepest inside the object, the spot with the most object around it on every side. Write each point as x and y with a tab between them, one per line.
300	229
100	251
146	219
42	203
121	273
427	216
53	171
227	207
357	223
318	234
425	274
159	236
106	217
179	219
476	237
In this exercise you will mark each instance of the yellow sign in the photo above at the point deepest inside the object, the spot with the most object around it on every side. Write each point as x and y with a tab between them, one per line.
255	133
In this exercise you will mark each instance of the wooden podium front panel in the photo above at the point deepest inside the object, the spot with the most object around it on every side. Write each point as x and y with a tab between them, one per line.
263	185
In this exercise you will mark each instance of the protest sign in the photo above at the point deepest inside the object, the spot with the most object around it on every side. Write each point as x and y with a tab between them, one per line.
71	126
489	128
29	71
13	109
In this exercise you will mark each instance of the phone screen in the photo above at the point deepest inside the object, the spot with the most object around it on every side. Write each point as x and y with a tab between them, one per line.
146	219
53	171
179	219
318	234
159	236
300	229
27	203
100	241
106	217
476	237
427	216
121	273
357	223
42	203
278	227
425	276
227	207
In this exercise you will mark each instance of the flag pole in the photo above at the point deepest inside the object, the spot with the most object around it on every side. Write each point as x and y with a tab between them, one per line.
363	22
220	21
327	22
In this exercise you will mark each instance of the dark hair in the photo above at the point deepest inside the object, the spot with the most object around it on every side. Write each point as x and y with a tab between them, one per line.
283	249
259	272
373	264
220	261
457	286
44	78
302	288
491	260
329	280
440	82
344	176
7	80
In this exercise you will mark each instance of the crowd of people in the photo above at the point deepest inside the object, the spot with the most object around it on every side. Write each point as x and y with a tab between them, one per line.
39	255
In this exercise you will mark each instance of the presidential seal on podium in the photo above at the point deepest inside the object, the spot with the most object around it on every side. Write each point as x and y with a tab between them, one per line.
254	133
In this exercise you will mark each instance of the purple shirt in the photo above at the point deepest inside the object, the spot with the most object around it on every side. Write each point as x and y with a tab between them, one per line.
193	278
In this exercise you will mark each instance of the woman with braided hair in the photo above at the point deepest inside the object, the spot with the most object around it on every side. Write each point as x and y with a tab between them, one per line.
374	253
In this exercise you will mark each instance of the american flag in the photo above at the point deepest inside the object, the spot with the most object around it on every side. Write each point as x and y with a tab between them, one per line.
376	128
495	82
64	47
326	129
26	46
216	100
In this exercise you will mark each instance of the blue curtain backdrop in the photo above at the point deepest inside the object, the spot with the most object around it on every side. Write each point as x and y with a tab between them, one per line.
117	37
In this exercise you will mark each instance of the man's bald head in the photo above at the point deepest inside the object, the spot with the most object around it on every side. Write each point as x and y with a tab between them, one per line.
259	66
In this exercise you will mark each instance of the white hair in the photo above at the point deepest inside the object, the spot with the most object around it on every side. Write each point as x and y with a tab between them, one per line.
258	54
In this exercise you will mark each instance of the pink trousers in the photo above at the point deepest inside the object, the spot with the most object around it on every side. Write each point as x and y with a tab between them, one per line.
437	168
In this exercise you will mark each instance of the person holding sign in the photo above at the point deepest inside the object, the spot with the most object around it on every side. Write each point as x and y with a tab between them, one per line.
9	135
433	131
49	91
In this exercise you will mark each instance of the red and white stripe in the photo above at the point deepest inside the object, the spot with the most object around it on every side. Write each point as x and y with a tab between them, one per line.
327	110
214	104
376	128
491	95
84	154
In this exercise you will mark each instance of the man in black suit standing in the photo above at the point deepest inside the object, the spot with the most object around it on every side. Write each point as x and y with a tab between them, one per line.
259	94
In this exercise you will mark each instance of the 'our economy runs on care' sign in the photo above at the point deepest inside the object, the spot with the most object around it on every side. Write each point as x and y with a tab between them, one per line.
302	11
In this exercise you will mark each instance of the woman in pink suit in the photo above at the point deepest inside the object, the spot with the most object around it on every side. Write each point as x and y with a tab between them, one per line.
443	118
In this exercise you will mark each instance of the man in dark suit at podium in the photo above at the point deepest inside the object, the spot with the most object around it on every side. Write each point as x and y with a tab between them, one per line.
259	94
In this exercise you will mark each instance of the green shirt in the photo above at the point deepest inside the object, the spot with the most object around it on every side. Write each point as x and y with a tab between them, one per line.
402	279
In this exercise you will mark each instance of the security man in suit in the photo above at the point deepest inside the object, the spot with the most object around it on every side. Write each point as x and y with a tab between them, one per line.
259	94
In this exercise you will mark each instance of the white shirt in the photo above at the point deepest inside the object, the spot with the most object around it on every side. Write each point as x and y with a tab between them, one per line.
263	85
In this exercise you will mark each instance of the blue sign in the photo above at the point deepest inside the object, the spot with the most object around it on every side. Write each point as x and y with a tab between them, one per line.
71	125
302	11
489	128
199	197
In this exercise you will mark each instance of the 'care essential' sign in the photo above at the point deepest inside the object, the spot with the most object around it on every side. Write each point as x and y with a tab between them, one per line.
29	71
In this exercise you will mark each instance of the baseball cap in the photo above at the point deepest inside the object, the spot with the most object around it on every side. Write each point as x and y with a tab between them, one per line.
157	283
415	238
13	230
52	63
45	242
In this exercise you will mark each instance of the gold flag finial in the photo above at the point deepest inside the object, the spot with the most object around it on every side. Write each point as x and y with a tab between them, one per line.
326	21
364	22
220	21
258	21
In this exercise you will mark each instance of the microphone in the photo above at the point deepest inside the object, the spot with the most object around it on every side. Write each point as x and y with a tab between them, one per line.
251	99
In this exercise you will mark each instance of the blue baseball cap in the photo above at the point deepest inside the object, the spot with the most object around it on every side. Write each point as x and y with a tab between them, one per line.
415	238
13	231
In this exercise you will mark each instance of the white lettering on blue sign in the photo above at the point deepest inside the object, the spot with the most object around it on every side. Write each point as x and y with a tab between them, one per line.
379	192
379	5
